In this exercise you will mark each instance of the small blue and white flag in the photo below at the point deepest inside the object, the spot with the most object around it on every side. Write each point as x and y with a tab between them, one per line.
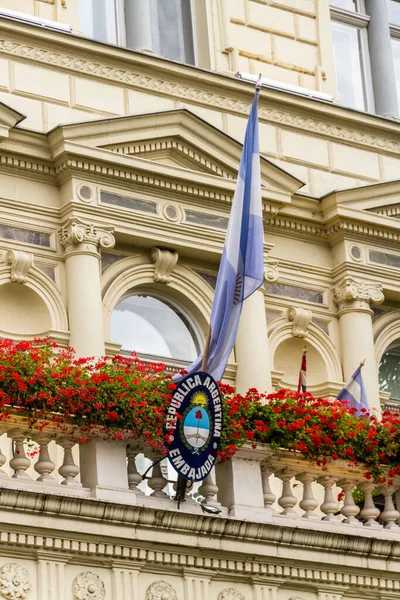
241	270
354	391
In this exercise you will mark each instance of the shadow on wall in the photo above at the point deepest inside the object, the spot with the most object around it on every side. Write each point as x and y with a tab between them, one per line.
288	360
22	311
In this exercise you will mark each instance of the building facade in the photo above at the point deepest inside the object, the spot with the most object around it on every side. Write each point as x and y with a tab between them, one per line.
121	125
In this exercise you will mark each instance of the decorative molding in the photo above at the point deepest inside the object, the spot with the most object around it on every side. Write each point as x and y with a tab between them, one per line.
301	318
271	272
101	170
179	90
207	163
164	263
14	582
230	594
314	540
88	586
161	590
21	263
77	235
356	294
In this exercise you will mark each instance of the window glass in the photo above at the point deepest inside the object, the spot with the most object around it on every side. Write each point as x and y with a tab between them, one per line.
396	58
174	42
150	326
349	75
98	20
346	4
389	372
394	12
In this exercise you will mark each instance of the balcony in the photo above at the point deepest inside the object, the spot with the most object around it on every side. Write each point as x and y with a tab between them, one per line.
256	484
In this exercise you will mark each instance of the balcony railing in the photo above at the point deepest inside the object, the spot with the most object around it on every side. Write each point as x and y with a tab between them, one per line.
258	484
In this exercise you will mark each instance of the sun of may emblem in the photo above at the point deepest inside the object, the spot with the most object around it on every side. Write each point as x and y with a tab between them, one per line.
196	422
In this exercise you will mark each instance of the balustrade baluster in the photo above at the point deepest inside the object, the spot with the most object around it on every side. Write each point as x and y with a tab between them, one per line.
44	466
134	478
287	500
349	509
19	462
69	470
389	515
157	481
3	461
329	506
369	513
209	490
269	496
308	503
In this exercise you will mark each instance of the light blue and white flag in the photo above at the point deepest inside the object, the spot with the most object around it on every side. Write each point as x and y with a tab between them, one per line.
354	392
241	270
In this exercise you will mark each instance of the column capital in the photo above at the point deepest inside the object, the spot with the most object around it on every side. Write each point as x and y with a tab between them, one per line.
79	237
357	295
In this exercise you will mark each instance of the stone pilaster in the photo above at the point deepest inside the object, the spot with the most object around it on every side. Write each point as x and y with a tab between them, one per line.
354	298
81	243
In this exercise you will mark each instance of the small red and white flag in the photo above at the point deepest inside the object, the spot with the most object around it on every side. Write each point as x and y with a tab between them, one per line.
302	385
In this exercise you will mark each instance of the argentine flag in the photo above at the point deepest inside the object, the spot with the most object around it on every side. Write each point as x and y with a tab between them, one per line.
354	392
241	270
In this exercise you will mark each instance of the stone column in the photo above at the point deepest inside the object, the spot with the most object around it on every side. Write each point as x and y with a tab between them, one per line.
354	299
380	49
251	348
81	243
138	25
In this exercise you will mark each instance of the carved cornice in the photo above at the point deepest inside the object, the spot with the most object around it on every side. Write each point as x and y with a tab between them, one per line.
77	237
180	87
357	295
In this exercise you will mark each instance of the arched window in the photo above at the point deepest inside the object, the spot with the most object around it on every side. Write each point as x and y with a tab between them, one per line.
389	371
153	326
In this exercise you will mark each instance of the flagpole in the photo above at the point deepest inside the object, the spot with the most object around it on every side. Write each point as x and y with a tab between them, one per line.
206	349
208	337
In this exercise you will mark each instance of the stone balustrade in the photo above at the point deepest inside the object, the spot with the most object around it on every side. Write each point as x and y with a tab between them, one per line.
257	484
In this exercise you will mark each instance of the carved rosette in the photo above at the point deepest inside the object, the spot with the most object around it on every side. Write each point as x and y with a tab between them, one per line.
88	586
14	582
164	263
230	594
301	318
161	590
77	236
357	295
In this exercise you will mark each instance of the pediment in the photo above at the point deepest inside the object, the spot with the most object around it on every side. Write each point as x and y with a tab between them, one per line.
9	118
174	151
381	199
176	139
391	210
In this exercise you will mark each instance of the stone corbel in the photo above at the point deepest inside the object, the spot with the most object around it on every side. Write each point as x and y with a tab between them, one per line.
271	272
21	263
164	263
301	319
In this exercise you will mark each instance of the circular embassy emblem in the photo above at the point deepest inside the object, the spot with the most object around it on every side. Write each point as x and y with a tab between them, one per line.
193	426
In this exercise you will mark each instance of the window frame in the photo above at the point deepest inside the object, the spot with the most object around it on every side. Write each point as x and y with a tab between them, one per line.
121	29
359	20
395	35
181	311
